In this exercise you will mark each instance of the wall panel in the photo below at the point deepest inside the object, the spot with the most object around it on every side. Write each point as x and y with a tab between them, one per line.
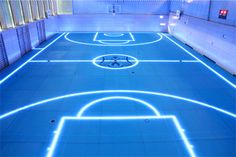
11	45
24	39
3	56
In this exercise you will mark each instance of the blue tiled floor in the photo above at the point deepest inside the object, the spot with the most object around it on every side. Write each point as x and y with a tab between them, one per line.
164	84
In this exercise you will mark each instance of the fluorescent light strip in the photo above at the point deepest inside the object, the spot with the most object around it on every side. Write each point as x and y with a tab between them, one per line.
12	73
117	91
180	130
90	61
208	67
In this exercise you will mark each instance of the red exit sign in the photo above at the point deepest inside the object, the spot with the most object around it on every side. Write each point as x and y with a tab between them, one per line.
223	13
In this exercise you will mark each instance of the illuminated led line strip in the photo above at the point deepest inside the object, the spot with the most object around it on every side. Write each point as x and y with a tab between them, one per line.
117	91
114	43
180	130
108	35
208	67
83	109
100	40
12	73
89	61
156	115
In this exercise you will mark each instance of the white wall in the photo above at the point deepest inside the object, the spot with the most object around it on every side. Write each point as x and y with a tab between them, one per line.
213	40
126	6
107	22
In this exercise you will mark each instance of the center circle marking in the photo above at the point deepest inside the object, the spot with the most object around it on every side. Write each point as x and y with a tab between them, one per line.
115	61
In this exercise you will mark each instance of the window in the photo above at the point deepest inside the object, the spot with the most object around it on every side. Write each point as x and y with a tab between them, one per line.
34	9
16	11
6	20
26	11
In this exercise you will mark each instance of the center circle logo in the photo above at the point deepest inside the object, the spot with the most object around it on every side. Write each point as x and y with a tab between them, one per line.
115	61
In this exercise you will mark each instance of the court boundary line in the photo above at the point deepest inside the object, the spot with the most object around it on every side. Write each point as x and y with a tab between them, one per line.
203	63
22	65
14	111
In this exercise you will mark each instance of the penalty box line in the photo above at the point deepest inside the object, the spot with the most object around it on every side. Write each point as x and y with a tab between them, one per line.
181	131
101	40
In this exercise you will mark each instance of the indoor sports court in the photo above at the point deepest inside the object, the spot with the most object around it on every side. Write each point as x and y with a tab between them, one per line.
117	78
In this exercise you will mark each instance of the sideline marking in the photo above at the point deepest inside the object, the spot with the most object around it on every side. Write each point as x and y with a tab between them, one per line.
22	65
208	67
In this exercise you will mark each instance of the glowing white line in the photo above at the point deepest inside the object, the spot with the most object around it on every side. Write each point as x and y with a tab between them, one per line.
222	77
94	38
133	39
81	112
180	130
116	91
90	61
92	44
12	73
96	35
108	35
56	137
183	137
111	44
